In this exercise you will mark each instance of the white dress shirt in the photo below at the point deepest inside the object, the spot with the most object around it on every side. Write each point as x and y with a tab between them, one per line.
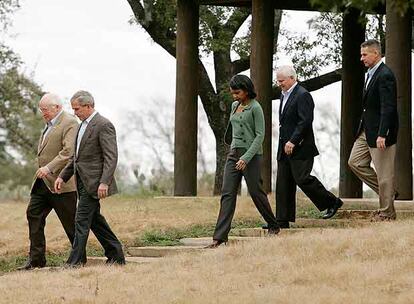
50	125
82	129
370	73
286	95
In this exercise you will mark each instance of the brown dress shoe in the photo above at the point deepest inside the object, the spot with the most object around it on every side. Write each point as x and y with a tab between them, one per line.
381	217
215	244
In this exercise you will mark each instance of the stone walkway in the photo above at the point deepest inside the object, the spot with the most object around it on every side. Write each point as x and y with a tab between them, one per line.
355	213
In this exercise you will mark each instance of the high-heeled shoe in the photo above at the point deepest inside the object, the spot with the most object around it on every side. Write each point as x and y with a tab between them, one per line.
215	244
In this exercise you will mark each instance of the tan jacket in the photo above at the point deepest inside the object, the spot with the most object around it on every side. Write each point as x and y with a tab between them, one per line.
97	157
57	149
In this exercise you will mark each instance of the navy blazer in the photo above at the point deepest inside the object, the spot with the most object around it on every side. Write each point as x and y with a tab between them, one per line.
379	115
295	125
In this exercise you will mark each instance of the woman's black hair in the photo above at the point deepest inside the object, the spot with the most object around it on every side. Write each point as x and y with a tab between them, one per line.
242	82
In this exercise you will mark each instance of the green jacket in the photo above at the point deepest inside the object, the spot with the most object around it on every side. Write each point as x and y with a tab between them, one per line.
246	129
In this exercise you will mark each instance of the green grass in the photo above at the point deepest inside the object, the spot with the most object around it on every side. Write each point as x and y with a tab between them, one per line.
171	237
53	259
12	263
308	211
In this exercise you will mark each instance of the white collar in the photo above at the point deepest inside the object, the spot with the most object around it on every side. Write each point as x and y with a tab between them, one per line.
88	120
53	121
291	89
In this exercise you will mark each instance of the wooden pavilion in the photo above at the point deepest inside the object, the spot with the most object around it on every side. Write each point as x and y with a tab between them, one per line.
398	57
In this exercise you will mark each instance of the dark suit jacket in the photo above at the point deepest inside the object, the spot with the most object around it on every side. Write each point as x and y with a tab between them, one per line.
379	116
295	125
97	157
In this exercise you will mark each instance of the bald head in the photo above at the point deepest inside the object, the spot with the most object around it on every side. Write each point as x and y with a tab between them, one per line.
50	105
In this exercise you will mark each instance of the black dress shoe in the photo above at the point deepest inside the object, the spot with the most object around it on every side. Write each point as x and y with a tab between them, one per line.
282	225
115	262
330	212
273	230
31	265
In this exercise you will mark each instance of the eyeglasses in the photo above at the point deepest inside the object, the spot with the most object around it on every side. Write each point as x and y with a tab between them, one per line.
46	109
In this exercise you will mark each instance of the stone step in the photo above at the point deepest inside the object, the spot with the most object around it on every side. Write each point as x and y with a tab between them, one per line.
254	233
330	223
94	261
161	251
367	214
205	241
373	203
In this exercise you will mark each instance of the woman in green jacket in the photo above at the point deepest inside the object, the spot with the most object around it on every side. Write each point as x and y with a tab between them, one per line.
246	129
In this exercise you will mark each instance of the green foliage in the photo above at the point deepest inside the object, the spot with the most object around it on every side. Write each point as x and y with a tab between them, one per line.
401	6
6	8
310	53
20	126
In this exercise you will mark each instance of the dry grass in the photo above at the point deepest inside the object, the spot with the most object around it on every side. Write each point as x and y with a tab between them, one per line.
129	218
368	265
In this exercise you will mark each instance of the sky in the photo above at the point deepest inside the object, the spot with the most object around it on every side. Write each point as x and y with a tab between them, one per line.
78	44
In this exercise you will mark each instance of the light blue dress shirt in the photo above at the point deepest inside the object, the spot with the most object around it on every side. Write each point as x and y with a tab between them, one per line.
82	129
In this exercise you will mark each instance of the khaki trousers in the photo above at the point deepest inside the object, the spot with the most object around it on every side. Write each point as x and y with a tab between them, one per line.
381	180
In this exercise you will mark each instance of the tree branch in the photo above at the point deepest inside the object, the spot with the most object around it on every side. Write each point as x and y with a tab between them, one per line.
240	65
237	19
161	35
315	83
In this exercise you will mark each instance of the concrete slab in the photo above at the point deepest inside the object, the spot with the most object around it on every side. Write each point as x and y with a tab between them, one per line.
161	251
205	241
373	203
93	261
367	214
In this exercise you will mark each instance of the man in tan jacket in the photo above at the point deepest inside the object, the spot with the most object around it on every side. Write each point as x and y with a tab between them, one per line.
56	147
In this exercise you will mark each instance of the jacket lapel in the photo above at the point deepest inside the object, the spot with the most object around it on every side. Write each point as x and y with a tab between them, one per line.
373	79
88	132
54	127
289	101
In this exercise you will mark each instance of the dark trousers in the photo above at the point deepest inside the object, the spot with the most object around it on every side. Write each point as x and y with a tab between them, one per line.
42	201
292	173
231	182
88	217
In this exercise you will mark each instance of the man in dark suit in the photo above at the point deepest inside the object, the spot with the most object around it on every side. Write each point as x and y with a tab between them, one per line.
93	165
377	131
55	148
296	152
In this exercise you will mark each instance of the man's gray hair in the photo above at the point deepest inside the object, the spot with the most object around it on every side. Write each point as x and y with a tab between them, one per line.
51	99
287	71
84	98
372	43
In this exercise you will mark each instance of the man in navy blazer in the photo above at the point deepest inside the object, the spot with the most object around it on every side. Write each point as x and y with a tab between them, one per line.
377	132
296	152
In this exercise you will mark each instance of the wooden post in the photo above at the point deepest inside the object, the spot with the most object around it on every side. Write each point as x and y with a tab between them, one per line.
185	154
261	60
353	34
398	58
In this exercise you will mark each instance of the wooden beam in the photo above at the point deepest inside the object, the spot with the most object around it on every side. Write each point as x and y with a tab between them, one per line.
261	72
185	154
353	34
296	5
398	56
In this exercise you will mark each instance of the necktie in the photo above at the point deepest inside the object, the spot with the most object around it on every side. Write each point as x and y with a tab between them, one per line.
281	103
46	130
367	80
